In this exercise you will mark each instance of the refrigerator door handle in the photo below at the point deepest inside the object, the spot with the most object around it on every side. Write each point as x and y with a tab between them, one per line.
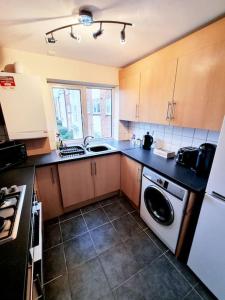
218	196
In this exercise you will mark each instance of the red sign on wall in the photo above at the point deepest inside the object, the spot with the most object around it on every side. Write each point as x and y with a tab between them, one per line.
7	81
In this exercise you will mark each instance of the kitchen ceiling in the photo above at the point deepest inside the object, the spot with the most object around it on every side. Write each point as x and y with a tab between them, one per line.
157	22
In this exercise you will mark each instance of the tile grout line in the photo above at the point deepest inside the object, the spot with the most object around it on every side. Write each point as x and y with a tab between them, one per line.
192	287
153	240
139	271
97	255
67	273
53	279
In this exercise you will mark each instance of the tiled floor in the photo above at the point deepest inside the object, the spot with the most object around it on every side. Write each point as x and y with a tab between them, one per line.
105	251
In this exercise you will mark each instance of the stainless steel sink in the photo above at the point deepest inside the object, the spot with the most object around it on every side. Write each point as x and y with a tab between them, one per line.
99	148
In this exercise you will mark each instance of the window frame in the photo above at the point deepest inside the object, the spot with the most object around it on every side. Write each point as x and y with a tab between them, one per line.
84	106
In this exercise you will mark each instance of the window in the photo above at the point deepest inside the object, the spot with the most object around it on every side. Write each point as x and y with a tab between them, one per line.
82	111
100	120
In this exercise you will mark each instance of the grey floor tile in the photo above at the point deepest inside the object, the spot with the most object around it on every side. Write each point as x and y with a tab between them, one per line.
95	218
143	249
90	207
187	273
119	264
79	250
52	236
108	201
104	237
133	289
156	240
164	281
70	215
192	296
58	289
115	210
54	263
204	292
126	227
73	227
126	204
138	219
89	282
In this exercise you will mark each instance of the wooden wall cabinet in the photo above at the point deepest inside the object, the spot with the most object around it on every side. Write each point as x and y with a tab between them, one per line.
89	178
156	91
48	190
129	96
131	179
199	90
188	73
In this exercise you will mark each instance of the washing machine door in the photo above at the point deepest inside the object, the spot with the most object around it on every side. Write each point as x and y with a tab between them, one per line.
158	205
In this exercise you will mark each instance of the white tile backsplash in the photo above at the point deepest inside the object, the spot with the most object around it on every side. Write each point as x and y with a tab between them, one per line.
200	134
173	137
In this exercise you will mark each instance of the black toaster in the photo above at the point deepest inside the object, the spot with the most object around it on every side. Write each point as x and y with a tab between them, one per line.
187	156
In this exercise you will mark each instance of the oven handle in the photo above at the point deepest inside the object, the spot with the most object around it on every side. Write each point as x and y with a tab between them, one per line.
37	250
30	268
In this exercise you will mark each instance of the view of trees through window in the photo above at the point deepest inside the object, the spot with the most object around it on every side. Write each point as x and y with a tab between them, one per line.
96	106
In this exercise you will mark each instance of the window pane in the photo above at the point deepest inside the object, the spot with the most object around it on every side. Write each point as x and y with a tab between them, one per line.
99	103
68	113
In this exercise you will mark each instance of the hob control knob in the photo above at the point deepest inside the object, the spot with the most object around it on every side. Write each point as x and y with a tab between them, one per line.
13	189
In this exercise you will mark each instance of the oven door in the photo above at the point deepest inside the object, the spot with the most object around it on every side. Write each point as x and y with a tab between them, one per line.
35	267
158	205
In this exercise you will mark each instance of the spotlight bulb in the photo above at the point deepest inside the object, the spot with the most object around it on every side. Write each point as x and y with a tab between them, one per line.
51	39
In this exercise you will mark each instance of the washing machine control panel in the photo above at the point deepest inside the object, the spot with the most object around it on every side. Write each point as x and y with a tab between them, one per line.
171	187
162	182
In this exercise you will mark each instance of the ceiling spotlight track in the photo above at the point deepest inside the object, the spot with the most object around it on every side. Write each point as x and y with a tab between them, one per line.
86	19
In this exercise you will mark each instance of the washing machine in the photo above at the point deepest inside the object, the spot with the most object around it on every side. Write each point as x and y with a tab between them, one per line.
162	208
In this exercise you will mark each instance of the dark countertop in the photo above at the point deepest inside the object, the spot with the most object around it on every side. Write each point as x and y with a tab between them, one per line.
13	255
169	169
166	167
53	157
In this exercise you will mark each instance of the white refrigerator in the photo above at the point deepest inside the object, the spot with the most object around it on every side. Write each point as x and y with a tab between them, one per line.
207	255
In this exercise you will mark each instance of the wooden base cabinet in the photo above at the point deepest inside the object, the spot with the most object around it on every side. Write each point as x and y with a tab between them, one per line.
131	179
77	182
89	178
48	190
107	174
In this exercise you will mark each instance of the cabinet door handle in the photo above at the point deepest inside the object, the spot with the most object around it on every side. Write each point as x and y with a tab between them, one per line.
95	168
173	104
167	112
136	114
52	175
91	168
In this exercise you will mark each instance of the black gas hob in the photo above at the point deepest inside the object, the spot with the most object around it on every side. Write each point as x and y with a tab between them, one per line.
11	203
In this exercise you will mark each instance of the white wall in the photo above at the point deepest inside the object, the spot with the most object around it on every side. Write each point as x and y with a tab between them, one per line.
51	67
